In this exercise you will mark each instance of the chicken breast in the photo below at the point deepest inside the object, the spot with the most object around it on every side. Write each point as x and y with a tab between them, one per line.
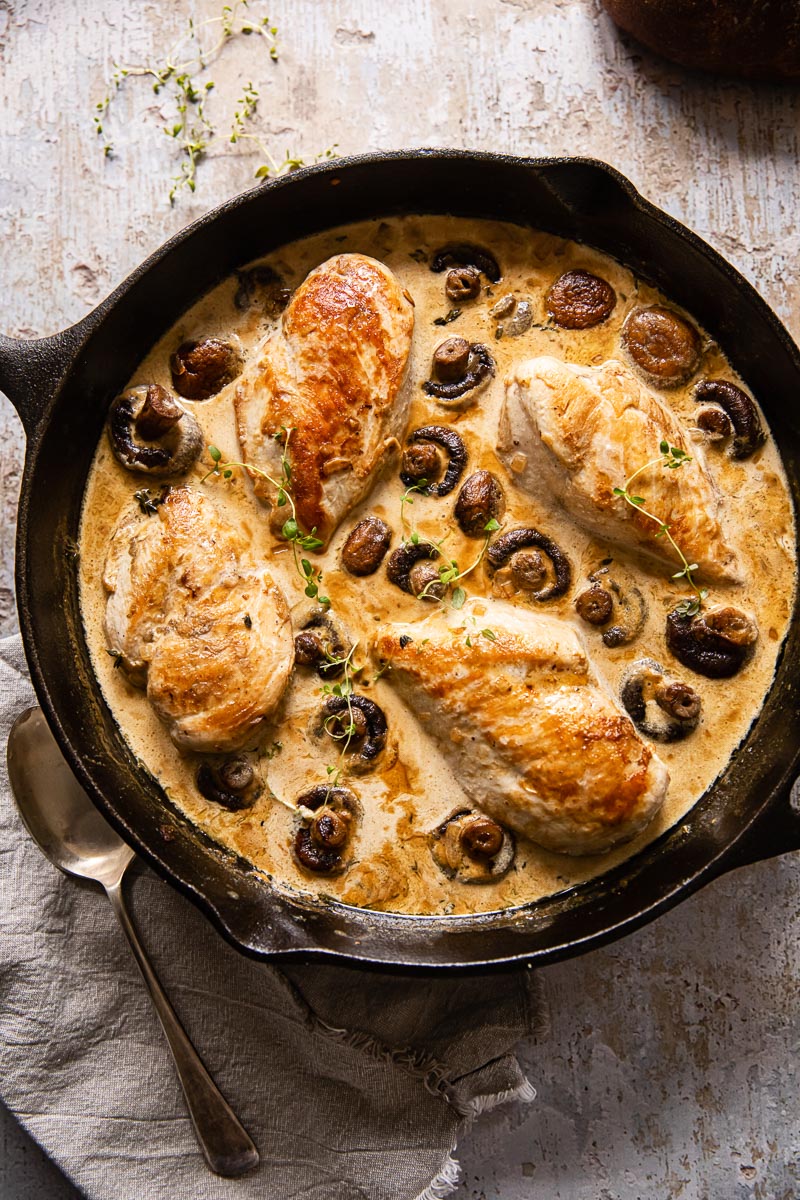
196	623
582	431
333	375
530	736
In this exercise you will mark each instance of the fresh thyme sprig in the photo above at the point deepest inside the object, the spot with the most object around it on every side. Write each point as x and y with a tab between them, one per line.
344	689
450	572
407	498
672	458
178	77
310	575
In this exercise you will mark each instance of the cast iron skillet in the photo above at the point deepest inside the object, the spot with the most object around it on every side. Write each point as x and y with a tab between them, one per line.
62	386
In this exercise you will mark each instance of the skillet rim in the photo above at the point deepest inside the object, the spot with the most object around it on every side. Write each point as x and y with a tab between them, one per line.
79	338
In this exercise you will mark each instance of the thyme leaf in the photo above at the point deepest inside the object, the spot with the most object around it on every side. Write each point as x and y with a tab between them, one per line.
310	575
672	458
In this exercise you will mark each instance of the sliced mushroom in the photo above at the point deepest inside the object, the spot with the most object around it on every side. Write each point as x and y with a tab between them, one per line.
426	583
740	410
403	559
463	283
661	707
526	570
321	644
422	459
451	359
463	254
504	306
364	734
519	323
150	432
480	501
613	597
472	848
232	784
366	546
321	841
713	422
595	605
461	390
580	300
201	369
664	346
716	643
262	285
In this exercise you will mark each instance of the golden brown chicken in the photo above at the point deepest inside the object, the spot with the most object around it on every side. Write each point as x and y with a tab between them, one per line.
333	375
196	623
582	431
509	700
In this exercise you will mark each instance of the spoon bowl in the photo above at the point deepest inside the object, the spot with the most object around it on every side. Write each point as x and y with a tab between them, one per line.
55	809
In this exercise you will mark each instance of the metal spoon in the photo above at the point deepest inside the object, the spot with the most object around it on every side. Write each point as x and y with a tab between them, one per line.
70	831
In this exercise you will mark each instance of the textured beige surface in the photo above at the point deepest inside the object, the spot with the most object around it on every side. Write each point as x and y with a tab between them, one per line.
671	1070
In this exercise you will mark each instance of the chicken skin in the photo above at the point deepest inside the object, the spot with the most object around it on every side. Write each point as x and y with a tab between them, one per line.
582	431
528	733
197	624
333	375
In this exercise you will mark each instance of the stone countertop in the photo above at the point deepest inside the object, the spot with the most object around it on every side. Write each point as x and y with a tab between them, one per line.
670	1070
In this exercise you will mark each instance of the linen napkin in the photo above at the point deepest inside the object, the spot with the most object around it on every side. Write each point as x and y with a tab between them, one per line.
352	1084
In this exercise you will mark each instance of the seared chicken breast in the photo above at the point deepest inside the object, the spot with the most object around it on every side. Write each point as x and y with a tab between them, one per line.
579	432
196	623
529	734
333	375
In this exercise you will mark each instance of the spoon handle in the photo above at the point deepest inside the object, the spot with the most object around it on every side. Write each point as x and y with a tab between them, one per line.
226	1145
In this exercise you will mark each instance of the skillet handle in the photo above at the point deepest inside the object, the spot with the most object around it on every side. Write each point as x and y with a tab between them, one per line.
31	371
776	832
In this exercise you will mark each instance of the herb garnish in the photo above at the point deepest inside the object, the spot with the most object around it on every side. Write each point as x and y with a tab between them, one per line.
671	457
290	530
178	77
344	689
453	315
148	503
449	572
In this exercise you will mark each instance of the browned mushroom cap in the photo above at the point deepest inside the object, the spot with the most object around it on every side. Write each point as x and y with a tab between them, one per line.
150	433
462	283
463	254
579	300
232	784
741	411
713	422
321	644
366	546
462	390
661	707
505	548
472	848
480	501
263	286
321	841
416	465
664	346
364	736
716	643
201	369
595	605
426	582
451	359
402	560
613	597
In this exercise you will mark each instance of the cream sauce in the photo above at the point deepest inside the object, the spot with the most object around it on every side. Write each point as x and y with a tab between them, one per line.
413	790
